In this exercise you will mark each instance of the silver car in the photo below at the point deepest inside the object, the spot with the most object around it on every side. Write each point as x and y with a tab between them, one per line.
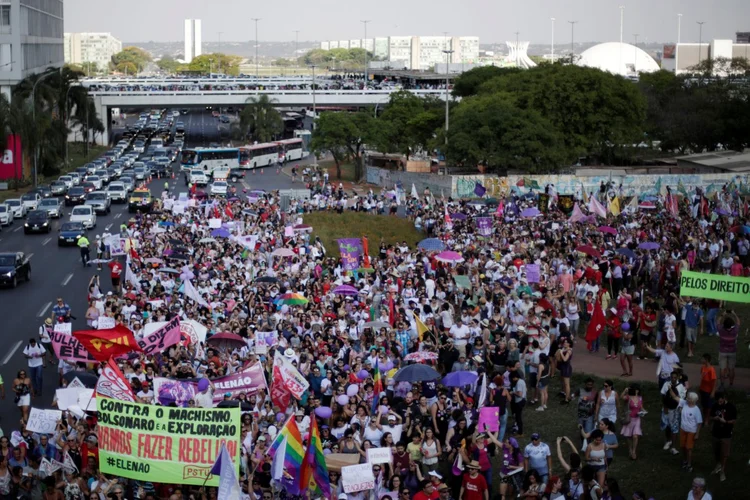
52	206
99	201
58	188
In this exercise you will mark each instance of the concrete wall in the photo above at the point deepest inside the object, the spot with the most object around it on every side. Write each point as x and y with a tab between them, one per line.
438	184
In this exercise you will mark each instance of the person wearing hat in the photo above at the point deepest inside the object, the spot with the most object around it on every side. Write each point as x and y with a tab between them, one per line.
45	338
474	486
538	457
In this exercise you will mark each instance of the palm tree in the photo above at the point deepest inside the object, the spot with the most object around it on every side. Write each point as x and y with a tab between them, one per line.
259	119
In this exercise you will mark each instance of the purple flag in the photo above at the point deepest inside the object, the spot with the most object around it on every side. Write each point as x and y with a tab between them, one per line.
484	226
532	273
351	251
479	190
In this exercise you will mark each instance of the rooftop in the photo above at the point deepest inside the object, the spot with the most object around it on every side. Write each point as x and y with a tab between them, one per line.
729	161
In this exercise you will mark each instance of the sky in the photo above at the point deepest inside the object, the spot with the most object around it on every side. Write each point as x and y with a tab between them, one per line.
490	20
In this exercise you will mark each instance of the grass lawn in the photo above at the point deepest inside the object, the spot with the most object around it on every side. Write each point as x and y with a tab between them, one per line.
331	226
656	472
711	344
347	170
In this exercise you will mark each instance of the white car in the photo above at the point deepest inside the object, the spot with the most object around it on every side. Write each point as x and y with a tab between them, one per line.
85	215
198	177
77	178
17	207
219	188
117	192
68	180
6	216
31	201
95	180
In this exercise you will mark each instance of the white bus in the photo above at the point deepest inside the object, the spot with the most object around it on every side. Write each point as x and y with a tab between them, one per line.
209	159
259	155
290	150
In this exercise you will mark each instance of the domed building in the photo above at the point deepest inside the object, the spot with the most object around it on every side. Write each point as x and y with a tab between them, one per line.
617	58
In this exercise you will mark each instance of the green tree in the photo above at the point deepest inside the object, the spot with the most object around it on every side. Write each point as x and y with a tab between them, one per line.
259	119
489	130
344	136
470	81
408	123
168	64
206	63
131	60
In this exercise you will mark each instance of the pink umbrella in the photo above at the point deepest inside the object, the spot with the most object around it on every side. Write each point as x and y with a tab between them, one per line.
607	229
449	256
345	290
226	339
421	356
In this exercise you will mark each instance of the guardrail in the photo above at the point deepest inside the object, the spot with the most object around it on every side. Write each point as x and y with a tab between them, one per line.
182	93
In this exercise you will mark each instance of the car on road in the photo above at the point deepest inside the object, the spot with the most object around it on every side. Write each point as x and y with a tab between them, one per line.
69	233
128	182
68	180
99	201
184	111
236	174
14	266
139	146
6	215
103	175
90	168
77	178
219	188
197	177
37	221
85	215
58	188
76	195
31	200
44	191
140	200
140	173
53	207
224	119
17	207
117	192
88	187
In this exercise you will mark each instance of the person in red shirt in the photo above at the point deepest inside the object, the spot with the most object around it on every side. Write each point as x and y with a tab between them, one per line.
115	272
613	333
428	491
474	486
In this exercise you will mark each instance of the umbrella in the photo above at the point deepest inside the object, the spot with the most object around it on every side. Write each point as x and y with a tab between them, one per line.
421	356
99	261
721	211
233	198
589	250
746	229
458	216
291	299
416	373
226	339
345	290
376	325
626	252
166	223
153	260
233	403
449	256
206	240
431	245
179	256
220	233
649	245
88	379
303	227
647	205
607	229
283	252
247	211
649	198
459	379
531	212
168	270
267	279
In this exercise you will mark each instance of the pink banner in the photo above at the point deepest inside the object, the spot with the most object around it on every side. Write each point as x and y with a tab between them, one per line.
68	348
166	336
250	381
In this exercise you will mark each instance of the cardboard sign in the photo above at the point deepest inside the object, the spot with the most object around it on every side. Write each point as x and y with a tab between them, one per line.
67	397
105	323
214	223
64	328
379	455
76	384
357	478
43	421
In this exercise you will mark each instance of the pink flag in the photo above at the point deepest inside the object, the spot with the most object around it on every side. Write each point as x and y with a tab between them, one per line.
597	208
500	209
489	419
577	214
448	221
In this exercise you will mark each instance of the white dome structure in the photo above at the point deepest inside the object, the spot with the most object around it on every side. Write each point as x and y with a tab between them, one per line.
617	58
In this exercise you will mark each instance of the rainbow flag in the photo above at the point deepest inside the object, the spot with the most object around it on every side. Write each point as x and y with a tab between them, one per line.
288	443
377	387
314	475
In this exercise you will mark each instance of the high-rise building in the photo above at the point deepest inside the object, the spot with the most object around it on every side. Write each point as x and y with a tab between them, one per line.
192	39
743	37
684	57
83	48
31	39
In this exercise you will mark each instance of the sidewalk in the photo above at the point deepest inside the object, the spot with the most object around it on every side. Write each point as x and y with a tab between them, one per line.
645	370
348	186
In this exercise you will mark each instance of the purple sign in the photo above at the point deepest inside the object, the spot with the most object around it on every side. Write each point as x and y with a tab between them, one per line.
351	251
484	226
532	273
250	381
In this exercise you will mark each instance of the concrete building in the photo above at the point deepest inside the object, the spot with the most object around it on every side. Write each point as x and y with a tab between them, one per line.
82	48
192	39
743	37
681	57
31	39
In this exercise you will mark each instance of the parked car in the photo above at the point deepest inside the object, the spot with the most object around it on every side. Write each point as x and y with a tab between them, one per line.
85	215
37	221
99	201
14	266
52	206
69	233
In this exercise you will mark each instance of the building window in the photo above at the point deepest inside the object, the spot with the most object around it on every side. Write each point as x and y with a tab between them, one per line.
4	15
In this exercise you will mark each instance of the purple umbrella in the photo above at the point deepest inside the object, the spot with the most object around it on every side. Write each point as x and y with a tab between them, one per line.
220	233
458	216
721	211
345	290
649	245
531	212
459	379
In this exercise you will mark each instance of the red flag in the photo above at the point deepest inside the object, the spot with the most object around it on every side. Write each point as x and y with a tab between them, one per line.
113	384
133	254
391	310
596	326
111	342
217	214
280	395
228	212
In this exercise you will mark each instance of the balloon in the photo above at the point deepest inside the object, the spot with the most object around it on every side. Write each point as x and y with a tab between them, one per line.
326	451
342	399
352	390
202	384
363	374
383	409
323	411
280	417
625	326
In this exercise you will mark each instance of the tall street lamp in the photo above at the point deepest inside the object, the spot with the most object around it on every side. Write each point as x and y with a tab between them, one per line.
312	66
679	28
219	59
447	97
296	50
635	60
517	51
33	118
700	39
572	40
67	119
256	19
364	46
552	51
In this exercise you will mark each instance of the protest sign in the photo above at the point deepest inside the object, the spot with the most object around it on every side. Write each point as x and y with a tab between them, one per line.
68	348
715	286
489	419
169	391
165	444
357	478
65	328
379	455
167	335
105	322
350	250
293	380
532	273
16	438
484	226
76	383
288	231
214	223
43	421
261	347
113	384
67	397
250	381
194	331
116	245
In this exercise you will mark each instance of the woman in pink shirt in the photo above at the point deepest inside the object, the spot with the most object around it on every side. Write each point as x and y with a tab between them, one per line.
736	268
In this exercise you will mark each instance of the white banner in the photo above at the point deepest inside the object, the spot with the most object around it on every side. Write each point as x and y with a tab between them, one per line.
76	384
379	455
43	421
293	379
357	478
67	397
214	223
66	328
105	323
193	330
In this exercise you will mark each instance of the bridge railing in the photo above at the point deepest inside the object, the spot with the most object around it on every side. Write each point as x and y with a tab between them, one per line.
182	93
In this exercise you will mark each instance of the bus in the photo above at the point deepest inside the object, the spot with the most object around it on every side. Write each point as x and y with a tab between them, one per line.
259	155
208	159
290	150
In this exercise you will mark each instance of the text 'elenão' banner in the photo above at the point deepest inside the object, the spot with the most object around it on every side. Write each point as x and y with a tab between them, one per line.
715	286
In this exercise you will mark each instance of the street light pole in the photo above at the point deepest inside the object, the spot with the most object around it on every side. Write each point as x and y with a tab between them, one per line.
296	50
313	93
552	51
67	120
635	60
33	120
622	24
256	19
219	70
679	28
447	96
364	46
700	39
572	40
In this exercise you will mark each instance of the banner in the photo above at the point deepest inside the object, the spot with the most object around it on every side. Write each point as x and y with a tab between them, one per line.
280	395
489	419
116	245
357	478
194	331
113	384
103	344
379	455
532	273
350	250
11	164
166	336
715	286
484	226
250	381
542	202
168	391
291	377
43	421
165	445
566	202
69	349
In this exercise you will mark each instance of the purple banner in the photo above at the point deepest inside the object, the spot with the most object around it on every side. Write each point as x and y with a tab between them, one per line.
532	273
250	381
351	251
484	226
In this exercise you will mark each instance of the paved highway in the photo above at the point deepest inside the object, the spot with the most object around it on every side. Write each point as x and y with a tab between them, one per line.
58	272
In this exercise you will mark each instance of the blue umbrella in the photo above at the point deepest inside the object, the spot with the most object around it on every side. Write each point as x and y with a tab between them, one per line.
220	233
746	229
626	252
459	379
166	223
416	373
649	245
431	245
721	211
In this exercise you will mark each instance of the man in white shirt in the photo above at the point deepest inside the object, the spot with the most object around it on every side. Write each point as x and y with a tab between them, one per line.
35	354
460	334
